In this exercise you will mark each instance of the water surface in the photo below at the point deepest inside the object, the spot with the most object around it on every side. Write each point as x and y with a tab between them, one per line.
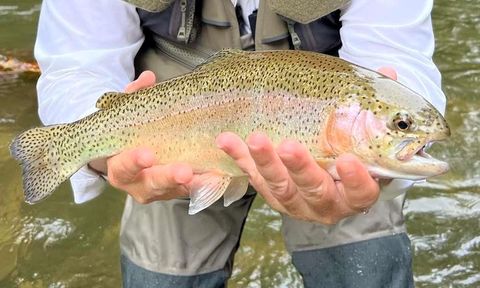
59	244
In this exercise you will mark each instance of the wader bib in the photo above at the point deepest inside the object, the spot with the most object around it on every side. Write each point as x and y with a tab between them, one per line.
161	237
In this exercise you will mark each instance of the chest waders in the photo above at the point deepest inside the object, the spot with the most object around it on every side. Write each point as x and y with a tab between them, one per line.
162	244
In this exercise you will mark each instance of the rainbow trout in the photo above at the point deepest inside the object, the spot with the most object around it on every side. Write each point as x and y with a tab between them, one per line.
330	105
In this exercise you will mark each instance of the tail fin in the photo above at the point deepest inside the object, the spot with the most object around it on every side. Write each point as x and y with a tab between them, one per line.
41	161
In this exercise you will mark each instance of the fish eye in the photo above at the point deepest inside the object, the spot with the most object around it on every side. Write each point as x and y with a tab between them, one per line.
402	125
402	122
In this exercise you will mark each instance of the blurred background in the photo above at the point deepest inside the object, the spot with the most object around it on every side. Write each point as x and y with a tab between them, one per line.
59	244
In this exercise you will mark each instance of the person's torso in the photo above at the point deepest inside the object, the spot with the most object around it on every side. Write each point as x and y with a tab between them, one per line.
186	32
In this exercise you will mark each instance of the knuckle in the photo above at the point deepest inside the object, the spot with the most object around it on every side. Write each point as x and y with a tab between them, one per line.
255	178
151	183
315	191
113	180
280	190
115	175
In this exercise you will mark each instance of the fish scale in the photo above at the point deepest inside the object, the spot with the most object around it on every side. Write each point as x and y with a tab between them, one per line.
328	104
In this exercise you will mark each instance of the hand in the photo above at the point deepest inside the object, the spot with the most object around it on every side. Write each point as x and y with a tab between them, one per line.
292	183
136	172
388	71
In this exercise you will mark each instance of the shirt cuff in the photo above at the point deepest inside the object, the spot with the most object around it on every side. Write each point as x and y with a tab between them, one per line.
395	188
86	185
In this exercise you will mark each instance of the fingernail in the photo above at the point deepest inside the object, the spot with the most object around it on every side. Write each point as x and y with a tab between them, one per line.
220	141
254	141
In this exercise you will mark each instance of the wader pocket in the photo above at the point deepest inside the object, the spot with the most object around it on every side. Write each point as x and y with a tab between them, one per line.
177	22
213	13
311	25
305	11
151	5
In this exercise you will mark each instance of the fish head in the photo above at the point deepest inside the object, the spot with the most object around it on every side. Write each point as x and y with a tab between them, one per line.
387	126
393	129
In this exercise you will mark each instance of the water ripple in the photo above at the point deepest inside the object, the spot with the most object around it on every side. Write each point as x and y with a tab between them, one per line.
49	231
14	10
469	248
449	206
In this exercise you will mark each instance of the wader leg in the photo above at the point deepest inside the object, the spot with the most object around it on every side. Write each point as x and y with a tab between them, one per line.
135	276
369	250
379	262
163	246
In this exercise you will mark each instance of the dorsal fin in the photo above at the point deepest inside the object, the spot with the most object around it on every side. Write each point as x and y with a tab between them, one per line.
218	58
109	99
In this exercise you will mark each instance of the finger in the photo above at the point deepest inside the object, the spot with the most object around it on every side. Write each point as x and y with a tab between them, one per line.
359	188
124	167
234	146
268	163
167	179
312	181
389	72
276	188
144	80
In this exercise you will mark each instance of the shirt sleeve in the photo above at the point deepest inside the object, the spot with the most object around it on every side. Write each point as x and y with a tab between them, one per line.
84	48
398	34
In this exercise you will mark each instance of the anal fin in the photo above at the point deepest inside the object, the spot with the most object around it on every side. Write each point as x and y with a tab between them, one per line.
211	186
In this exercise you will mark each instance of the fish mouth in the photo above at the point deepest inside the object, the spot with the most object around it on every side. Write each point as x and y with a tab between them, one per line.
417	162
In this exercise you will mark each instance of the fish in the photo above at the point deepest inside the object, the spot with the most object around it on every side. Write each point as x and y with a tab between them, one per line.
330	105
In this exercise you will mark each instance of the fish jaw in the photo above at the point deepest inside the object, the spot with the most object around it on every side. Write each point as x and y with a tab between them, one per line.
413	162
418	167
387	155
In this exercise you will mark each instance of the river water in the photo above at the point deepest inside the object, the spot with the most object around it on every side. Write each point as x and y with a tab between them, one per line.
59	244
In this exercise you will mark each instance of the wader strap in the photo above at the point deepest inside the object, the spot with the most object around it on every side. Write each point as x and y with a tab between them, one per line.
293	35
182	31
247	42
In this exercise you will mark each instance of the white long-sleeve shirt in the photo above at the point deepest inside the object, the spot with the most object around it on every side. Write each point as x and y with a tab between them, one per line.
86	47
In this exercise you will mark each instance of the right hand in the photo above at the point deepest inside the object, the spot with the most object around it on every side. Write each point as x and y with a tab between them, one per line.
136	171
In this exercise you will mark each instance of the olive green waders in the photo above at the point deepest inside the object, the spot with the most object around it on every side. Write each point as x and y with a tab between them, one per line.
162	246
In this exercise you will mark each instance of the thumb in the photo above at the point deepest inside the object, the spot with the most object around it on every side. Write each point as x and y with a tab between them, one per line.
359	188
388	71
146	79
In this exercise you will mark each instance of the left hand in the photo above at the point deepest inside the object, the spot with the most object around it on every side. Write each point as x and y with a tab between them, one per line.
292	183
